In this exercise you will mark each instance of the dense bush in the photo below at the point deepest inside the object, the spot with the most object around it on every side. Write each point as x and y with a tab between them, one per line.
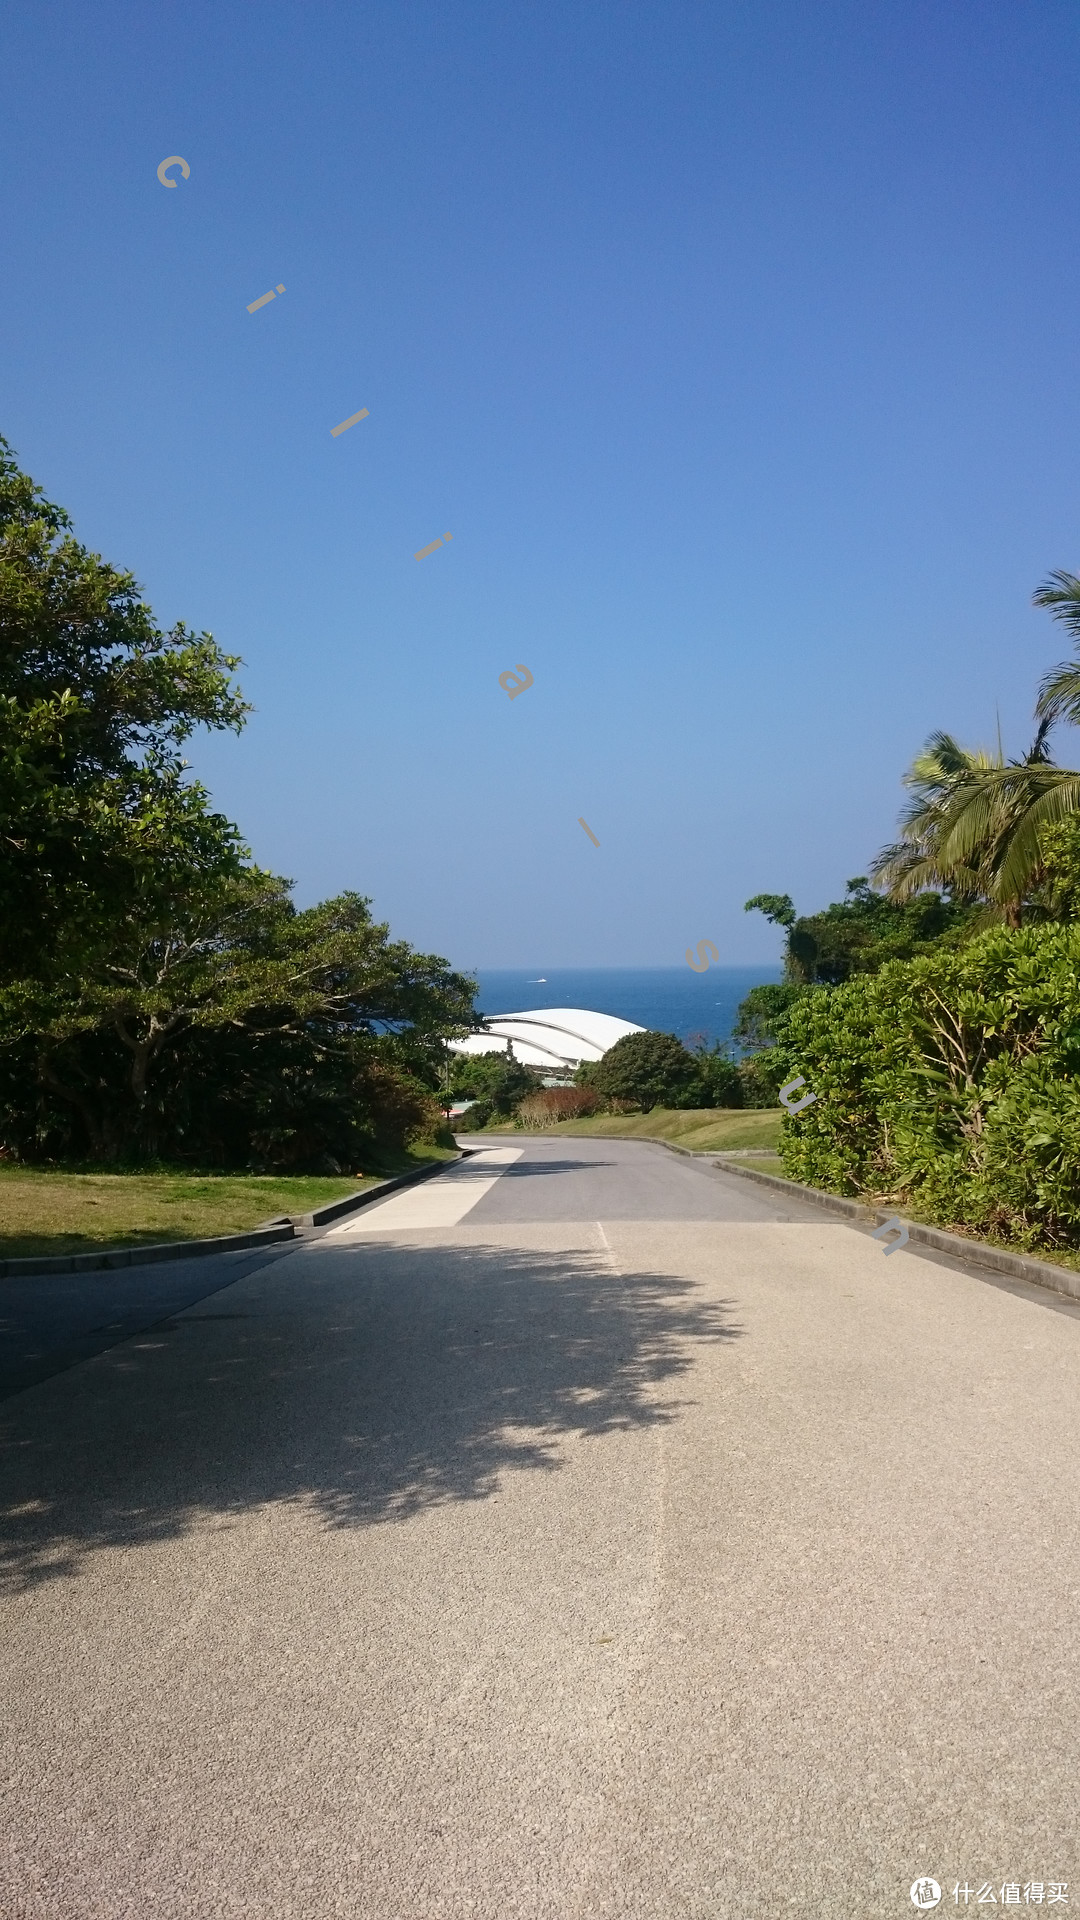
716	1083
552	1104
496	1078
651	1069
268	1102
761	1076
949	1082
474	1117
760	1017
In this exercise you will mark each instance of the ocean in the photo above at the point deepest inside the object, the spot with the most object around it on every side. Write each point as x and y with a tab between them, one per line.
677	1000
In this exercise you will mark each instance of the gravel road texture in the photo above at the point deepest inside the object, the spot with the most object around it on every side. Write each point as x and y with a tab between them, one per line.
578	1534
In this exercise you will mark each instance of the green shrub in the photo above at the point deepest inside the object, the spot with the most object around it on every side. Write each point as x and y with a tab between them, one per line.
496	1077
949	1082
473	1117
761	1077
716	1082
651	1069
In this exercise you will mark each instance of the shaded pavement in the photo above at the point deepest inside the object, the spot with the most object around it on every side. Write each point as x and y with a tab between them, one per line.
692	1561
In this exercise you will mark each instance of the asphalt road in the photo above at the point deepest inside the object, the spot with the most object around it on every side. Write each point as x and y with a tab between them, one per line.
575	1534
49	1321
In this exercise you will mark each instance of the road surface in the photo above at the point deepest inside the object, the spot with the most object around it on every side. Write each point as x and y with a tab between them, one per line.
580	1533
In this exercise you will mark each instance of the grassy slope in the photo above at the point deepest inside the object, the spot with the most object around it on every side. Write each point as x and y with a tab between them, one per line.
55	1212
706	1129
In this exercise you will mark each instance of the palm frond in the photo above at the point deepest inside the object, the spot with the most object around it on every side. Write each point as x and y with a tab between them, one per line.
1059	693
1059	690
1037	755
1061	593
1002	819
1023	855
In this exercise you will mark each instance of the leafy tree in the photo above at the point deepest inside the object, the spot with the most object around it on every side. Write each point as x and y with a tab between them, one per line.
777	907
761	1022
861	933
761	1014
761	1076
95	704
716	1081
159	995
495	1077
650	1069
206	1025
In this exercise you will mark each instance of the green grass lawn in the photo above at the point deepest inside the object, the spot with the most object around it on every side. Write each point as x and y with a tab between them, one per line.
704	1129
43	1212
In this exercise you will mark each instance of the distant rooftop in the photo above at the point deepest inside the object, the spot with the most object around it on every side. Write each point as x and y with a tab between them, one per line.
548	1037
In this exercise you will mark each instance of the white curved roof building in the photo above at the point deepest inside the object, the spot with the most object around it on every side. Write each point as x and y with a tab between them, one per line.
552	1038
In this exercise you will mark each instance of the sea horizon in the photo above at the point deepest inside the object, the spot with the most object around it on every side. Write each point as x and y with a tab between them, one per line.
696	1007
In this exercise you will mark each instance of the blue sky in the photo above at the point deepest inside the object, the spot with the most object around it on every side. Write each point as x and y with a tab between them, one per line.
735	344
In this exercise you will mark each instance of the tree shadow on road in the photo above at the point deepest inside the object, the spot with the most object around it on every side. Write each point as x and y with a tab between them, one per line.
367	1384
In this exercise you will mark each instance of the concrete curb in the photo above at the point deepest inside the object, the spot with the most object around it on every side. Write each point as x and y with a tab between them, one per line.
334	1209
111	1257
1019	1266
831	1202
285	1227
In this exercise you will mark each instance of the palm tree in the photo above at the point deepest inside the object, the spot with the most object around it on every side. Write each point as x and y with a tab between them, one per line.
938	774
1059	694
975	824
998	820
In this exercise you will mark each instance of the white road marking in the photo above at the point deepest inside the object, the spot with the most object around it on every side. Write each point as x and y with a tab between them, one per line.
439	1202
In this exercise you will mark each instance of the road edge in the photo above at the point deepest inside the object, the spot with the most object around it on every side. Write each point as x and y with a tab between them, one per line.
351	1202
1018	1266
284	1227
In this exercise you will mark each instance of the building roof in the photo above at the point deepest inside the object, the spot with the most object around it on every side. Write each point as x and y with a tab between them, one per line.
548	1036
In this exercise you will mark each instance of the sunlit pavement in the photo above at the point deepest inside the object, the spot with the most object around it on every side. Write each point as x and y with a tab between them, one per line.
579	1533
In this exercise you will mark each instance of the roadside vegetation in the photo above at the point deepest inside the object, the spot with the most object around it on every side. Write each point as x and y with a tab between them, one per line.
640	1072
163	1001
703	1130
647	1083
62	1211
936	1014
181	1046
